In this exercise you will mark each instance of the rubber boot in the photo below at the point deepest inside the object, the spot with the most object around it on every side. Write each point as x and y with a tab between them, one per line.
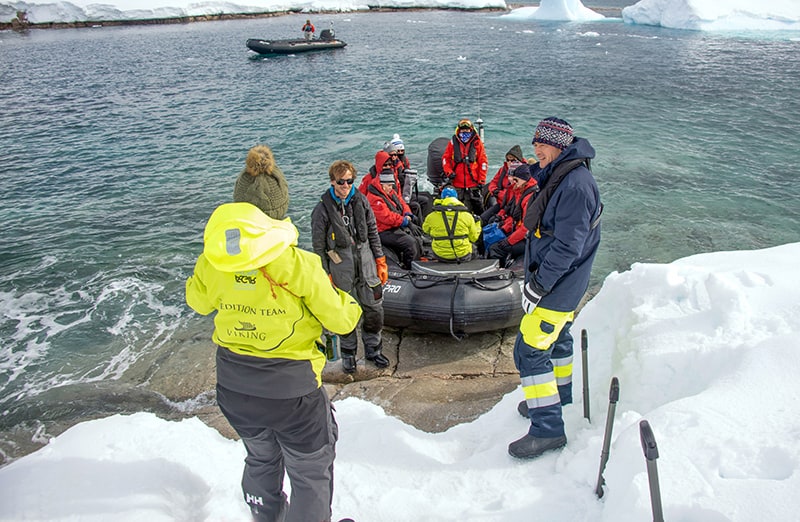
530	447
376	356
348	362
522	408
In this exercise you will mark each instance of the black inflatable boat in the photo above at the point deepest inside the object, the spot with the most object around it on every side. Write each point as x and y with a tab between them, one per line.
459	299
326	40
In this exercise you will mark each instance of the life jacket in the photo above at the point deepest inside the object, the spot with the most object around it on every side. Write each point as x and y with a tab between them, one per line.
355	229
472	155
450	227
516	209
393	203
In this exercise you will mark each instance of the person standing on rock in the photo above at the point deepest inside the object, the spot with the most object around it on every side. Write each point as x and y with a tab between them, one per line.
272	300
345	236
563	221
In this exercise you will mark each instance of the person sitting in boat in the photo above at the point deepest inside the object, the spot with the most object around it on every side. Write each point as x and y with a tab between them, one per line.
308	30
372	174
500	181
464	164
345	236
394	218
498	211
522	190
420	203
453	228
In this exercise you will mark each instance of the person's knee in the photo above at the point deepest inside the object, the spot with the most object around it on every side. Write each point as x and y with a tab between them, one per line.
541	328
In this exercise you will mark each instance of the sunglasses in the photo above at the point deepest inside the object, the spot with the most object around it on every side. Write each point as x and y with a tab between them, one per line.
348	181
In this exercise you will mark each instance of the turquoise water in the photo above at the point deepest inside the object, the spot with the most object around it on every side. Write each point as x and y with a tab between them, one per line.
117	143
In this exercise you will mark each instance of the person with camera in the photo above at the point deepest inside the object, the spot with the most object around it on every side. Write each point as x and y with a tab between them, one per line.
345	236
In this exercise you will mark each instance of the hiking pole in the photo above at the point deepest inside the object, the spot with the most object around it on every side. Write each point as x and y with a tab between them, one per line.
585	367
651	454
613	397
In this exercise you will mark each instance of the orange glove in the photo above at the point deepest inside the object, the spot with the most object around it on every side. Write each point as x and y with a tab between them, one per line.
383	269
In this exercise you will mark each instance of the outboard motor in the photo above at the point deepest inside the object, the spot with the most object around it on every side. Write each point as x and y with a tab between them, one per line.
435	152
327	34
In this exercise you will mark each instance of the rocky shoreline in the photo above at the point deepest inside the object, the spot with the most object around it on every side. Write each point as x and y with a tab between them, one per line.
23	25
434	382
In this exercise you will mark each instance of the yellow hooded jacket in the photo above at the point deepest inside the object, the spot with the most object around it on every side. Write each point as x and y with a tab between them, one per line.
272	300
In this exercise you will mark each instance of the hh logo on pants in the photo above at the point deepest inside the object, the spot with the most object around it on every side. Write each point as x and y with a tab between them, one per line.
256	501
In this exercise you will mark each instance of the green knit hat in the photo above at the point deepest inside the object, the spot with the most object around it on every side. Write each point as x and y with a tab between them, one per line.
262	184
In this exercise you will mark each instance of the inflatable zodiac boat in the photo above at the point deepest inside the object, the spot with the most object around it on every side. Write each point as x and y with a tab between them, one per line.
459	299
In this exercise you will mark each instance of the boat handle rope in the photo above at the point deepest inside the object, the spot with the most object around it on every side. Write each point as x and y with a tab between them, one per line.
457	337
422	282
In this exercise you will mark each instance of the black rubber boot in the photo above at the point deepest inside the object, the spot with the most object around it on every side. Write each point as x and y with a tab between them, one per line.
522	408
380	360
376	356
348	362
530	447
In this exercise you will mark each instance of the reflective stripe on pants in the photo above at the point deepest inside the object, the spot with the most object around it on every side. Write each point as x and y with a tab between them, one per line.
533	350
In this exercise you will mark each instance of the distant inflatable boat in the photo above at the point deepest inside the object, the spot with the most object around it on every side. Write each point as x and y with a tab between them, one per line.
459	299
326	40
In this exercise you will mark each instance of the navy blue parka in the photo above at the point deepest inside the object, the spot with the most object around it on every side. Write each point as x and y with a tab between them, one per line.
560	261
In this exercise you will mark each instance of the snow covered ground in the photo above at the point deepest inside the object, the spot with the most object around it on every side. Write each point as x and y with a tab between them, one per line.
679	14
705	349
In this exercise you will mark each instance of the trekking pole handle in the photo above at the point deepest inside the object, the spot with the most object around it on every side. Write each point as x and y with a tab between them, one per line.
613	392
649	446
585	372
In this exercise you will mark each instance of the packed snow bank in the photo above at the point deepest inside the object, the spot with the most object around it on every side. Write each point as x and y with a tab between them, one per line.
716	15
705	348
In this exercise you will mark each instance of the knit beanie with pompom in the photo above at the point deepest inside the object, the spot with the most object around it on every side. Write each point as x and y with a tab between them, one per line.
262	183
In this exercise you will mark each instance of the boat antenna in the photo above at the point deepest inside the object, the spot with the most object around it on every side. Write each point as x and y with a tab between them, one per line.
479	121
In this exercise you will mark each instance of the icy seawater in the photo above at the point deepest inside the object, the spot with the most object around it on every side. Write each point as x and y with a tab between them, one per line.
117	144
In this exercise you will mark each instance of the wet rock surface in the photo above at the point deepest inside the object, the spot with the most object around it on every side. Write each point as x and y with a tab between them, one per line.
433	382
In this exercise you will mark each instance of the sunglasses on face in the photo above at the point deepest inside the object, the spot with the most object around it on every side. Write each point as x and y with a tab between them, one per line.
348	181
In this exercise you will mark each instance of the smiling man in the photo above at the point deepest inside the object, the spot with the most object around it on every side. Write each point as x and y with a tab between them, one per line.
563	221
345	236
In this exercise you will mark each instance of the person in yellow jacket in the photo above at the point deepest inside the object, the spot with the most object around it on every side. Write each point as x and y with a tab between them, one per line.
453	228
272	301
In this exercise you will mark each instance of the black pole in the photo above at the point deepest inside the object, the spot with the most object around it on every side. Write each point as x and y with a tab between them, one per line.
650	449
613	397
585	367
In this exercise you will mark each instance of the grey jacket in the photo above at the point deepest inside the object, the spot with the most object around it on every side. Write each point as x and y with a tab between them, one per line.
345	231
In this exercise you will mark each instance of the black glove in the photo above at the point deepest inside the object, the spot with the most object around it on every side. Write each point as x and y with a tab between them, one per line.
532	293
